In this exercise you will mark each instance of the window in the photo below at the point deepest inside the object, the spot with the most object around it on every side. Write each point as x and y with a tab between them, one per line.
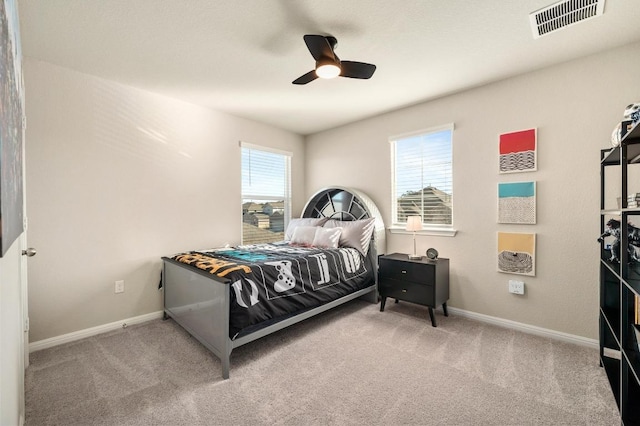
265	194
422	176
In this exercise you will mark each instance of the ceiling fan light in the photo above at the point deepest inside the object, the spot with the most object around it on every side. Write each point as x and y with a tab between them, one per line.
328	71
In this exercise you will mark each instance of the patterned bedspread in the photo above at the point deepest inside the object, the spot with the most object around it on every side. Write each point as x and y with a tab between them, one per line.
273	281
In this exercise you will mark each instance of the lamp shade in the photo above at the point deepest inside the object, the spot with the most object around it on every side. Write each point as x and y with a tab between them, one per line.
414	223
327	68
328	71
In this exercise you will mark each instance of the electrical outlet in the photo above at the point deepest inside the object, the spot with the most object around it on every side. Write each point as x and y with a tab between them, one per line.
119	286
516	287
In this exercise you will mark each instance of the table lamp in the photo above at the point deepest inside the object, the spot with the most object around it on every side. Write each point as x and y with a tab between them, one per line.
414	223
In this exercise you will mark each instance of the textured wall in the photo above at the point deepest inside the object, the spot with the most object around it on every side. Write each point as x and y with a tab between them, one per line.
574	106
117	178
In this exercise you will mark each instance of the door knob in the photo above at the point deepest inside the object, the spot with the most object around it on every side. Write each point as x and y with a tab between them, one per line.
30	252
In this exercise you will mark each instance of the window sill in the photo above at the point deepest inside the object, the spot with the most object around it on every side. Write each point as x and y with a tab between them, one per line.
448	232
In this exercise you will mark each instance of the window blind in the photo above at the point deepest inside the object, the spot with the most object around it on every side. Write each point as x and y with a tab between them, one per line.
265	194
423	177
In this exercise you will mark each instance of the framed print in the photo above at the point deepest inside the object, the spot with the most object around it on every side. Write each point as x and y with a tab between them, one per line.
517	253
11	132
518	151
517	202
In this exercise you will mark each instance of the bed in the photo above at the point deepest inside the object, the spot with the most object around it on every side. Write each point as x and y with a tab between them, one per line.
229	297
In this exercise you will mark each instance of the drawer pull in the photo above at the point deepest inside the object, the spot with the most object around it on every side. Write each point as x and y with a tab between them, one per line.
404	272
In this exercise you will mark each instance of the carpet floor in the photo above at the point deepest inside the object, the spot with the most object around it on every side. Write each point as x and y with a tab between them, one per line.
353	365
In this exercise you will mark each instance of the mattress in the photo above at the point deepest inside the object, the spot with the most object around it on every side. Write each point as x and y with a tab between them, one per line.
270	282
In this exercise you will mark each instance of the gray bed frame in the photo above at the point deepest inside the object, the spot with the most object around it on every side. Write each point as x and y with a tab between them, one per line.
200	302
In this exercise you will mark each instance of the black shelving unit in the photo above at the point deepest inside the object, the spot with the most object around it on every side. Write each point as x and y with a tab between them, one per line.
620	283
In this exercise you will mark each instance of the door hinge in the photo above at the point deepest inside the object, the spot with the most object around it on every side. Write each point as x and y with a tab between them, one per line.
26	324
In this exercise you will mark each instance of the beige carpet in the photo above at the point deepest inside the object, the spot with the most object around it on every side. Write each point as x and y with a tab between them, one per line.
351	366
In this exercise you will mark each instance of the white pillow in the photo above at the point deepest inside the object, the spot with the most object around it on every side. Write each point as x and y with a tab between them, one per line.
304	221
304	235
327	237
355	233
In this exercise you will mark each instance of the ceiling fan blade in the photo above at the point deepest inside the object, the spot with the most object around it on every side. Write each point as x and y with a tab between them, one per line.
318	46
307	78
357	69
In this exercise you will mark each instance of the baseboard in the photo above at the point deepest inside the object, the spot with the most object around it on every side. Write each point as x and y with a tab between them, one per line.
514	325
88	332
526	328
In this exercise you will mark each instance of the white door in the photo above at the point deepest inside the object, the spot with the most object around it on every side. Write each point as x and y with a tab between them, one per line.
13	339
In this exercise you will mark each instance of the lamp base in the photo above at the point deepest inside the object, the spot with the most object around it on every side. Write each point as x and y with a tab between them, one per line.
414	256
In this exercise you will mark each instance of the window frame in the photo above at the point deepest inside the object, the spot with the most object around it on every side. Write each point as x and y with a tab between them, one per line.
398	227
287	198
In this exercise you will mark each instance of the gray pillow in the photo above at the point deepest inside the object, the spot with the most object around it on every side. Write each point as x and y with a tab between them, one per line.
303	221
355	233
304	235
327	237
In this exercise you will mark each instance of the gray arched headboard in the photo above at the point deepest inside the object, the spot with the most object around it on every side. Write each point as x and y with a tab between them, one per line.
348	204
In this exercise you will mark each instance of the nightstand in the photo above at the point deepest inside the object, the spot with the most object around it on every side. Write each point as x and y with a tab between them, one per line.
421	281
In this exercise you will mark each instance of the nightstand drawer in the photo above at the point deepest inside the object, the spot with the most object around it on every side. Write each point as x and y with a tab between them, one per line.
399	270
406	290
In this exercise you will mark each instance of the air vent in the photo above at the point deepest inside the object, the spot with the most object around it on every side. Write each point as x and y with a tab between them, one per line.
562	14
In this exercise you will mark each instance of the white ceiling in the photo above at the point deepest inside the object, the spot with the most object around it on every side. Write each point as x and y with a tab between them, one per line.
240	56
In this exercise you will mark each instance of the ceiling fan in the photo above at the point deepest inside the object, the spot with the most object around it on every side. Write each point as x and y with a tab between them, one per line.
328	65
